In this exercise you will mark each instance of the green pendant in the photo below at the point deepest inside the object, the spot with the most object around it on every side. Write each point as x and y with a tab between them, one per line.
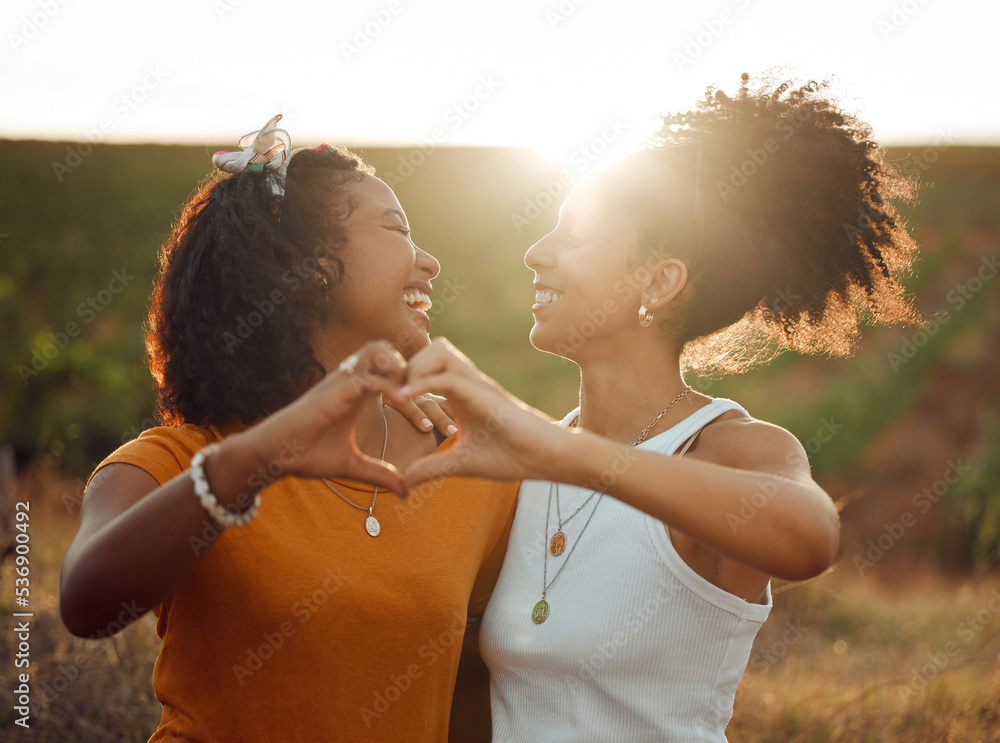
541	612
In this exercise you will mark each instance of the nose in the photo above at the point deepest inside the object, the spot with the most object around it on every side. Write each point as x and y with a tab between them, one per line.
540	254
428	263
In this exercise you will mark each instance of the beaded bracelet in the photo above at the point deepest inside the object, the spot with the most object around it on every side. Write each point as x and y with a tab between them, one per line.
208	500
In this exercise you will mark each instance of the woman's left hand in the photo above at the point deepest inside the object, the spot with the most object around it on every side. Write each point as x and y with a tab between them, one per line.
500	437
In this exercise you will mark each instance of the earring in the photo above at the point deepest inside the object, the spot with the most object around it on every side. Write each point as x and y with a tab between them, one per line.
645	316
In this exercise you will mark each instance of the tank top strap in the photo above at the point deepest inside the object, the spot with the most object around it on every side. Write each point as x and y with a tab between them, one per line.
680	437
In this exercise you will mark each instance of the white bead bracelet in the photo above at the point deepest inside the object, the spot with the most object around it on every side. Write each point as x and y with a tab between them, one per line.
208	500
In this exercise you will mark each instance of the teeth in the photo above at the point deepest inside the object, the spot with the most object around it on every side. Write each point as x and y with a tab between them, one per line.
547	297
417	300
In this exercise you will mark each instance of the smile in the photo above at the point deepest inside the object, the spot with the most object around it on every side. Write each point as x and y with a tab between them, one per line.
417	300
547	297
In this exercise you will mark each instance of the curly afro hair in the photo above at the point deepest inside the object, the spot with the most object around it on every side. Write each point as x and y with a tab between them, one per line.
798	242
243	283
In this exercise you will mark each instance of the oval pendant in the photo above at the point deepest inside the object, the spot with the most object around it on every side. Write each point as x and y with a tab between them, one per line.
557	544
372	526
540	612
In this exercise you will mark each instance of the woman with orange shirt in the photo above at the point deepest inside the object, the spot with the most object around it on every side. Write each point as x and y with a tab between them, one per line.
322	608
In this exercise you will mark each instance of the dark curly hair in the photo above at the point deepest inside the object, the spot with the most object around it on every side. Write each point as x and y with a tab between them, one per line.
797	243
243	283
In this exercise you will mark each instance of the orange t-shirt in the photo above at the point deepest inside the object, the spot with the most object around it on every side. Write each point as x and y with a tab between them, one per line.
299	626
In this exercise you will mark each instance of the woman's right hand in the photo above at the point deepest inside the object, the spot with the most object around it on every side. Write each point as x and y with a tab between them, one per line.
313	436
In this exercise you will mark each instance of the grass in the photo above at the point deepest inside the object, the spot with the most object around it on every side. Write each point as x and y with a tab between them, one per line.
904	653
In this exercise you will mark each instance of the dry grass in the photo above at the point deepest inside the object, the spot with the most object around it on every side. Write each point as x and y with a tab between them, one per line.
901	654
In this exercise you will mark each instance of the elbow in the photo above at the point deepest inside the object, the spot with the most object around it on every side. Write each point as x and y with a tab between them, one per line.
815	548
72	610
82	617
72	616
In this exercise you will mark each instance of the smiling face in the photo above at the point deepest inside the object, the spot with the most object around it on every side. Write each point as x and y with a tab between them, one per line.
385	292
586	279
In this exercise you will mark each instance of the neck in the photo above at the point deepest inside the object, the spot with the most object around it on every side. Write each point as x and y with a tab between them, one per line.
620	396
369	433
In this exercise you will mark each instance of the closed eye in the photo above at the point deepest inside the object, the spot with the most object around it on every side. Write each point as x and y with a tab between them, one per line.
403	230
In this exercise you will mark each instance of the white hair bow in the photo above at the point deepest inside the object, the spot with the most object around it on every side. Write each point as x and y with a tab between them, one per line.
269	147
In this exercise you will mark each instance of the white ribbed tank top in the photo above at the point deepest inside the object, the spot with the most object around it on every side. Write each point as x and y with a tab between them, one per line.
637	646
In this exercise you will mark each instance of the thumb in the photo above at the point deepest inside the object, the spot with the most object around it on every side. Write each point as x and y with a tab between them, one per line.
432	467
384	475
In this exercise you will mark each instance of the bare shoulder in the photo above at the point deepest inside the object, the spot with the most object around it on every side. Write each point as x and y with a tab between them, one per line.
111	491
737	440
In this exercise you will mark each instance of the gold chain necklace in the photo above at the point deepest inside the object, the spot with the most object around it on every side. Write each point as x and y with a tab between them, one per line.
372	525
540	611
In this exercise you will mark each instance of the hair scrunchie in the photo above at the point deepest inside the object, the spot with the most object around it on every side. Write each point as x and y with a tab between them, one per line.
269	147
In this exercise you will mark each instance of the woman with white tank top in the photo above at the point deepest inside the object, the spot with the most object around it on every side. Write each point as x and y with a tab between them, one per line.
651	520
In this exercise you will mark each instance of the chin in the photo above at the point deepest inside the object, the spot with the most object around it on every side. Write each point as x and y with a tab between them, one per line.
410	340
548	342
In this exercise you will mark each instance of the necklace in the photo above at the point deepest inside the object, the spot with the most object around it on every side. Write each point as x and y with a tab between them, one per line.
372	525
540	611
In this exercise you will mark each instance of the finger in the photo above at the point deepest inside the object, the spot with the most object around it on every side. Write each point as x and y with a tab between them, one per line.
439	356
372	471
375	359
432	467
415	414
434	411
455	386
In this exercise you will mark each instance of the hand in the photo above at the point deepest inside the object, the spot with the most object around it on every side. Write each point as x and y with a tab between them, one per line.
427	412
500	437
318	428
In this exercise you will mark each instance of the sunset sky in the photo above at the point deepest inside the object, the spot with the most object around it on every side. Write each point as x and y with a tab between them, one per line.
555	75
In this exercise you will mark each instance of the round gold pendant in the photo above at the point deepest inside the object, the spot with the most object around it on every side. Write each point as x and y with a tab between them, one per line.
557	544
372	526
540	612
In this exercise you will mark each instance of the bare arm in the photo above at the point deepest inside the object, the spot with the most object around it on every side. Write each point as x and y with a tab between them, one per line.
138	540
793	536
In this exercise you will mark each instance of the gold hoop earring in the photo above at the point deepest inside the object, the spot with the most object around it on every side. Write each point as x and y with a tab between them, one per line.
645	316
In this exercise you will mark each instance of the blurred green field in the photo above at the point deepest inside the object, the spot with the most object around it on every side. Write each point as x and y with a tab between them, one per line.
905	435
